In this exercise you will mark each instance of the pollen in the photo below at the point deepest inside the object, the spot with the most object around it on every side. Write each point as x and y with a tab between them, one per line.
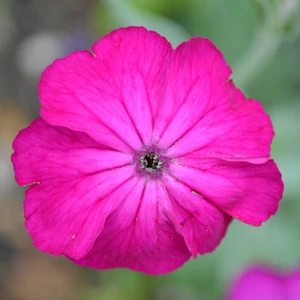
151	163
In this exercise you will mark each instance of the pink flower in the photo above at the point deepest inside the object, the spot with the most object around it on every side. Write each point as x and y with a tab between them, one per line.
262	283
143	154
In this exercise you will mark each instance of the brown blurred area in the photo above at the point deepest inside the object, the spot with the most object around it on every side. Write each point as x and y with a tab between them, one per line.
27	29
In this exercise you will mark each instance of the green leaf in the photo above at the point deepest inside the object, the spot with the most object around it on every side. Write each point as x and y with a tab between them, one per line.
124	14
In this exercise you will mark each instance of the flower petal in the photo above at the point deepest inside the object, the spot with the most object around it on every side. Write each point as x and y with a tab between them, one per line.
248	192
203	225
77	184
139	235
203	111
111	95
293	285
259	283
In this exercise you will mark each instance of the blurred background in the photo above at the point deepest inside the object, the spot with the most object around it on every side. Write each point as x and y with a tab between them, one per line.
260	40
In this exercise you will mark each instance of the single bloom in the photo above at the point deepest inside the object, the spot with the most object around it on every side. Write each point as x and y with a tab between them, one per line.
265	283
143	154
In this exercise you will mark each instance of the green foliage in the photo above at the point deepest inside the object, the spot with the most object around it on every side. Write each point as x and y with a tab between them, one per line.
123	13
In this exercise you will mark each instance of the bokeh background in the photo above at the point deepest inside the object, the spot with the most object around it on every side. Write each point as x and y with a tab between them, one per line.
260	40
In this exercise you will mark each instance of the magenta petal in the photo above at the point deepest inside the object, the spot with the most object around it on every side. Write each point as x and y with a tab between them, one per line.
259	283
248	192
203	111
113	94
293	285
202	224
140	235
75	186
263	283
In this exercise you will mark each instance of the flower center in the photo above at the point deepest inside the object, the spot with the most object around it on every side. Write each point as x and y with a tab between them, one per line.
150	162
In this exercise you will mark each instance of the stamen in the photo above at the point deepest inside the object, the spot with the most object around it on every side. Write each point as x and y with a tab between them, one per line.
150	162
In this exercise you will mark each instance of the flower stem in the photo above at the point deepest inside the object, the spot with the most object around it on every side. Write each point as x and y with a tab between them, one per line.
260	52
266	42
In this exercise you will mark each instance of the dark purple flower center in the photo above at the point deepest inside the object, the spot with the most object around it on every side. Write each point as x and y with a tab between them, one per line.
150	162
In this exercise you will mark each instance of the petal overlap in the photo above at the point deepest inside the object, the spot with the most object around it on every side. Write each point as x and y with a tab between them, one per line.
202	224
74	189
202	111
140	235
248	192
114	96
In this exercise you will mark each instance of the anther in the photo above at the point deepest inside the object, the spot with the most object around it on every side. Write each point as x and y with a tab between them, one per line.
151	163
